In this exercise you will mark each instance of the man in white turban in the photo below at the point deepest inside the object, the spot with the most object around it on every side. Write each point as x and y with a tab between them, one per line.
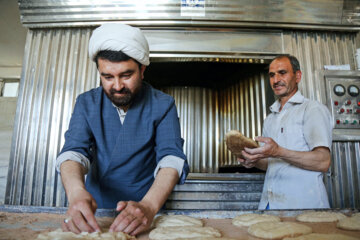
125	135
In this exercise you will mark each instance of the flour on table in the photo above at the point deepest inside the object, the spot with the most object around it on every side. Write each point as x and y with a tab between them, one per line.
252	218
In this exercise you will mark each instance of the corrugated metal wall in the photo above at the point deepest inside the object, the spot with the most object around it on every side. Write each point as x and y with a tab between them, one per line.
206	115
316	49
343	178
56	69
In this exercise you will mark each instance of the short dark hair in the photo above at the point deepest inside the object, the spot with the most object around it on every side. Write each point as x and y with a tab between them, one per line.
293	61
113	56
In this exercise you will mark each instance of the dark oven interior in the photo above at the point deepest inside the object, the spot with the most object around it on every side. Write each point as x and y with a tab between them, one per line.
213	97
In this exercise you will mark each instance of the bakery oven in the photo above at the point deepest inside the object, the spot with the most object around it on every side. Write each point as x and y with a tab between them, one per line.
212	60
214	96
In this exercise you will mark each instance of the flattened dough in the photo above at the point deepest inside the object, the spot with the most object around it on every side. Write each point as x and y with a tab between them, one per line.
58	234
176	220
207	238
236	142
278	230
252	218
183	232
349	223
322	236
320	217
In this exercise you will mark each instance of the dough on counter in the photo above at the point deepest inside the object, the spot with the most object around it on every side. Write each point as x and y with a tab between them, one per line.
236	142
349	223
320	216
207	238
176	220
252	218
183	232
58	234
323	236
278	230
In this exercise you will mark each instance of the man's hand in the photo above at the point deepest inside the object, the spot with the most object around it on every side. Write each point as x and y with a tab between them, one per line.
269	149
318	159
81	213
135	217
246	163
257	157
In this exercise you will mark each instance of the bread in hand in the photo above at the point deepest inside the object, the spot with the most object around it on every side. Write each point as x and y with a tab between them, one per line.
236	142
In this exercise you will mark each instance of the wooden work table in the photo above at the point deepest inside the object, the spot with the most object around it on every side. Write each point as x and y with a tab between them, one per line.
26	222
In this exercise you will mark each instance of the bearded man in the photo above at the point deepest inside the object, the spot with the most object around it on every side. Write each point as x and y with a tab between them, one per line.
124	135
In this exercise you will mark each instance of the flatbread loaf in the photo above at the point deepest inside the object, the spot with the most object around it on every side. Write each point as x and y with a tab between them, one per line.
356	215
349	223
176	220
248	219
322	236
168	233
278	230
236	142
320	216
58	234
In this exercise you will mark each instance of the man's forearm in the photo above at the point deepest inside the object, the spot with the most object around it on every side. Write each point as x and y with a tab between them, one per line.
72	176
162	187
315	160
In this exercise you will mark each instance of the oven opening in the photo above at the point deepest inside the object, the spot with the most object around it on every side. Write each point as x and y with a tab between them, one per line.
213	98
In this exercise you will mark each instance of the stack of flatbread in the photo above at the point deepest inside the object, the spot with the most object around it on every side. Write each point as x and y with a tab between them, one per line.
236	142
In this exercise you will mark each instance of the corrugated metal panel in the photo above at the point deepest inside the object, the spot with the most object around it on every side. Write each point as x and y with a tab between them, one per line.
290	13
206	115
242	107
56	69
314	50
198	112
343	178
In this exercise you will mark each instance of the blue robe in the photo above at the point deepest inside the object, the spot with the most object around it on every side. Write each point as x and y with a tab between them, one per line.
123	157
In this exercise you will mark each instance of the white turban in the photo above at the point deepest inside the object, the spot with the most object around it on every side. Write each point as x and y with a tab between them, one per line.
120	37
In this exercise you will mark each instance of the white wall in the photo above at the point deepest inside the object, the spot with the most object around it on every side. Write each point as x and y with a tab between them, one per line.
12	39
12	43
